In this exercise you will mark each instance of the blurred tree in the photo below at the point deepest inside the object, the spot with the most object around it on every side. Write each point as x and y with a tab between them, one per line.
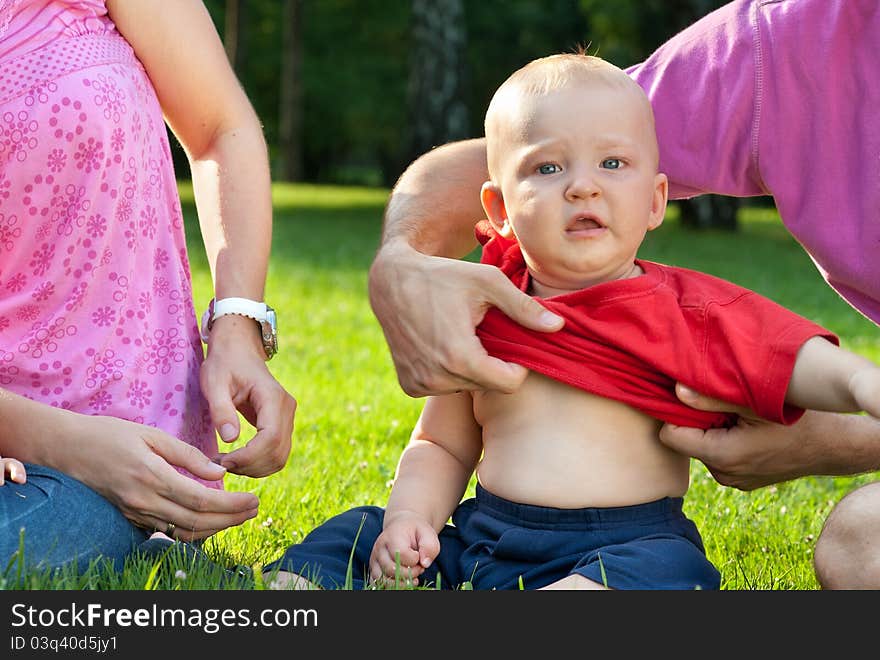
350	91
290	94
437	112
234	33
506	34
709	211
354	75
255	48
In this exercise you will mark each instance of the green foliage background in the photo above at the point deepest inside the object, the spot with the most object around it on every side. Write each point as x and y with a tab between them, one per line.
355	66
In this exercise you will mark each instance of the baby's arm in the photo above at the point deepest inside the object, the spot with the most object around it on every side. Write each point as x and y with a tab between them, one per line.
432	475
15	470
827	377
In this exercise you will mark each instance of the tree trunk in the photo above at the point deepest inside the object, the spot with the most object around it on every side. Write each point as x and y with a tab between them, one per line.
234	34
290	94
705	211
437	111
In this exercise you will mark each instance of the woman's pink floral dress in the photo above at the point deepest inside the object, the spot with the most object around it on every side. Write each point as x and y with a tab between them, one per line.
96	309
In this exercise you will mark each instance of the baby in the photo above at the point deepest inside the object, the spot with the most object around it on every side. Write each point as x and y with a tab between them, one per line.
574	488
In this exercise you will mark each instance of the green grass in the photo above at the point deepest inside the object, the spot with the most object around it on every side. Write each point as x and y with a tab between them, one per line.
353	420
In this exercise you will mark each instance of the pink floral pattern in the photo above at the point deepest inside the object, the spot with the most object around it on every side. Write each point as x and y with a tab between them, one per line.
96	310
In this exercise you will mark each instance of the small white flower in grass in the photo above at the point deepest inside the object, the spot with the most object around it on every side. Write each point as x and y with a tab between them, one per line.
268	522
180	575
783	509
363	465
366	409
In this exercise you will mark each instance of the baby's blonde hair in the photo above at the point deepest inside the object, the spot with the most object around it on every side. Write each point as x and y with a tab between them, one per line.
547	74
552	73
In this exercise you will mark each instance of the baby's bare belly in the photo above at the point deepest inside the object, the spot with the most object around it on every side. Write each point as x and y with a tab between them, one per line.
553	445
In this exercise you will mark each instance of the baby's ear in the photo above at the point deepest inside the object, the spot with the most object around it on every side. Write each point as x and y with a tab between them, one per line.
493	205
658	201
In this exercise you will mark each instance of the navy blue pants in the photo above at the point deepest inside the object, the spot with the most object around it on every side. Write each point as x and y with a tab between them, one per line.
494	544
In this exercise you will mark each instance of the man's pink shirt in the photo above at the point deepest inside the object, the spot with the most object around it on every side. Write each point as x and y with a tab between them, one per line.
781	98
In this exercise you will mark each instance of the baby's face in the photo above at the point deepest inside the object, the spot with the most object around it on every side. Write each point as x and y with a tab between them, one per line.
577	170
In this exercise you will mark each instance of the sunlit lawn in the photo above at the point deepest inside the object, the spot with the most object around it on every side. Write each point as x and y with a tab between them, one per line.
353	420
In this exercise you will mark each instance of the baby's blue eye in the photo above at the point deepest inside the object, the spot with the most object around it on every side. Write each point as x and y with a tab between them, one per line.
611	163
549	168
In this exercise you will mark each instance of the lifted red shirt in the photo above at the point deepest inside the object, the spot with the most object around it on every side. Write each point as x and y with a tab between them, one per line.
631	340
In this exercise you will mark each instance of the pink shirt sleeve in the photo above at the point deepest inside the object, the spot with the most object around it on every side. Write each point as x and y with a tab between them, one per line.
704	90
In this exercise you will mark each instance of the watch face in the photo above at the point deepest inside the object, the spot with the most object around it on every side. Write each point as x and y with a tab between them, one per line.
270	333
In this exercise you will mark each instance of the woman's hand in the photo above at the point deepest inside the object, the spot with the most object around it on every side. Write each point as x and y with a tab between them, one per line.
133	466
13	469
234	378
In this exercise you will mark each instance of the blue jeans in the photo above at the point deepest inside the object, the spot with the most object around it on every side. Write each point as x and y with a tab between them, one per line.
63	521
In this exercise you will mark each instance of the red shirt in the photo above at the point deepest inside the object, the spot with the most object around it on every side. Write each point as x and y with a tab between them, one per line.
631	340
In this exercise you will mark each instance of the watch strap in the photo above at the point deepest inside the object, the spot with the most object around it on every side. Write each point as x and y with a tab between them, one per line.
242	306
254	309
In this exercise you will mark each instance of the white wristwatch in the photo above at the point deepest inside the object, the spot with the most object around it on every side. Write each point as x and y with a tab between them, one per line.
259	311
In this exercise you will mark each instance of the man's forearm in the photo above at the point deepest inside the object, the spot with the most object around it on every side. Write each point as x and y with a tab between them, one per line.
429	301
843	444
436	202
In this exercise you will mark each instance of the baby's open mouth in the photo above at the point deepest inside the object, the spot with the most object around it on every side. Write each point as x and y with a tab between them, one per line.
583	222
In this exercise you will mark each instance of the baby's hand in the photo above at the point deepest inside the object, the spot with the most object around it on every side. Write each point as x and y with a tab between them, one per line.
404	549
15	470
865	388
